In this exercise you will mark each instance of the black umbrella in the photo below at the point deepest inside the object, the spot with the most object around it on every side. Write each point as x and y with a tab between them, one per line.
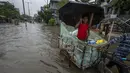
72	11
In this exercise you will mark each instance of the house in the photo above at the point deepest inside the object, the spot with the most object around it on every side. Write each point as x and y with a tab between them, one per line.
3	2
54	7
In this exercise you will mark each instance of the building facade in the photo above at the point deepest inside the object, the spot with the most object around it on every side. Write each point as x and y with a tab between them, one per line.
54	8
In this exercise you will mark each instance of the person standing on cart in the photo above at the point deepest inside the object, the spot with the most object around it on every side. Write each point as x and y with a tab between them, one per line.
83	28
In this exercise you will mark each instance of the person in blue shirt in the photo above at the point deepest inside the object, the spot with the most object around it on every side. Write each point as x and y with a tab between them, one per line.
120	52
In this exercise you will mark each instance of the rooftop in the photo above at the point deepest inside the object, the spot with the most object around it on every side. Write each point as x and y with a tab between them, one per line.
3	1
55	0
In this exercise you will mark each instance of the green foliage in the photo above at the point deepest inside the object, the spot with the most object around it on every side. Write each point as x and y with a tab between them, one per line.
46	14
46	7
38	18
52	21
9	11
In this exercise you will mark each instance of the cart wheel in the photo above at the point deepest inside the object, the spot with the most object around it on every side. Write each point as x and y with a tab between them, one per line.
62	51
62	54
103	69
101	66
60	42
69	61
107	70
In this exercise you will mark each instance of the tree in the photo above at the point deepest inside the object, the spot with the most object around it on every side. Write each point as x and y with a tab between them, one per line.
46	7
46	14
37	18
9	11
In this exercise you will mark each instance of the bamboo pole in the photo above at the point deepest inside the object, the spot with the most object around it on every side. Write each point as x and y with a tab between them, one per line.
111	31
91	19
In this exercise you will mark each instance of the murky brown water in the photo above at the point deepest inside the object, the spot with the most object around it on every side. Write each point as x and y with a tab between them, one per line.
32	48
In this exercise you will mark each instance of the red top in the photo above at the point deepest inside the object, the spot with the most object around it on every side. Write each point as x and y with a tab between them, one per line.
82	31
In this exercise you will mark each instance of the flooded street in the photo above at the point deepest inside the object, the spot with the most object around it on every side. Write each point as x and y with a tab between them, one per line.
31	48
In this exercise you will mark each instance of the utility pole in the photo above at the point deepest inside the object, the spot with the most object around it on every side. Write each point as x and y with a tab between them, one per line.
47	2
28	7
23	7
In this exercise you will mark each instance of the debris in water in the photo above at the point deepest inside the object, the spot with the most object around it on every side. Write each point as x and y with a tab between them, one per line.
48	64
58	71
48	71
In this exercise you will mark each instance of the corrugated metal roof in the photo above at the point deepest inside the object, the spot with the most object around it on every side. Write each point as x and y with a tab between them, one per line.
71	12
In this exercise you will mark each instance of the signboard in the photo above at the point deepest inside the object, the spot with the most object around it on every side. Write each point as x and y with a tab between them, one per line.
42	9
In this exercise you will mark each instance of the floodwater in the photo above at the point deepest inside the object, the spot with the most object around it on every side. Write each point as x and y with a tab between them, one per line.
32	48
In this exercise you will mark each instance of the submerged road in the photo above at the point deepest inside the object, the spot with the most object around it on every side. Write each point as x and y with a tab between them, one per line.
32	48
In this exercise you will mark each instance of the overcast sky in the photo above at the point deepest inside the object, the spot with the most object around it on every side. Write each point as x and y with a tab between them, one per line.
34	5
